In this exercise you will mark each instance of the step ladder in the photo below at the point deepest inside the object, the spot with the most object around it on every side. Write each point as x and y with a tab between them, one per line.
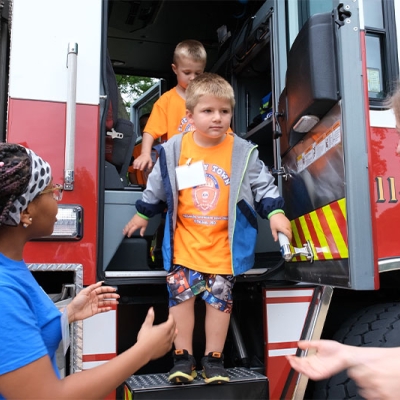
244	384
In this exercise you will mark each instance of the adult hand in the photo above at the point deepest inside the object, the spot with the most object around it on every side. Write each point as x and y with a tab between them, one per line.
377	372
158	338
134	224
143	162
92	300
325	358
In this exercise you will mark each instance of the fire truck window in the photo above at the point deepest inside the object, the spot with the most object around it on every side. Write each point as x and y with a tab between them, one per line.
373	14
318	6
306	8
381	49
374	67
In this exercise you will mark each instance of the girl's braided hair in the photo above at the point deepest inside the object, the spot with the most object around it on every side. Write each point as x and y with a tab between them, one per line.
15	173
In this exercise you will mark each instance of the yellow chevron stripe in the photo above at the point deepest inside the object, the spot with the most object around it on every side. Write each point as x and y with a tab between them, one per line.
306	232
337	235
325	249
321	237
297	241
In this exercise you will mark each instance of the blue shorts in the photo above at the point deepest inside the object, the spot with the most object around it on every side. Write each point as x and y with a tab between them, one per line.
184	283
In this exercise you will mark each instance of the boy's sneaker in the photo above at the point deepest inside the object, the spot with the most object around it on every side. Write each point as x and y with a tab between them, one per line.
213	368
184	369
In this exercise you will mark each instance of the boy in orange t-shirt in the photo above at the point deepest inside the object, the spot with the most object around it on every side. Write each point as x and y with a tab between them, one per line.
213	183
168	116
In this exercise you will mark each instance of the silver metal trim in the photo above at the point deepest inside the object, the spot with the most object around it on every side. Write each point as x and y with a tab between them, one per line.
390	264
76	340
313	332
69	163
154	274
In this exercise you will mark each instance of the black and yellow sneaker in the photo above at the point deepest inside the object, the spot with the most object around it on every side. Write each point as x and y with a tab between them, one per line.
184	369
213	368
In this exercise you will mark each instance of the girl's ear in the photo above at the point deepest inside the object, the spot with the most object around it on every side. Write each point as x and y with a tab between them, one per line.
26	218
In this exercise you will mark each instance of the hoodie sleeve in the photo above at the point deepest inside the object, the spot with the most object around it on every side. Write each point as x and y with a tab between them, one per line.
265	192
153	200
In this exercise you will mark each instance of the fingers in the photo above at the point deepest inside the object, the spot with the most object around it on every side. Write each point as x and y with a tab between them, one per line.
288	233
295	363
149	320
130	227
142	163
306	344
92	287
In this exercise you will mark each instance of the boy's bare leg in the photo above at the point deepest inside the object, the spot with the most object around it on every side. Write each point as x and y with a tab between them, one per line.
183	314
216	327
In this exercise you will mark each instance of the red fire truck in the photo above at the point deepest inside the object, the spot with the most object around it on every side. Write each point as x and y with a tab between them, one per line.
310	78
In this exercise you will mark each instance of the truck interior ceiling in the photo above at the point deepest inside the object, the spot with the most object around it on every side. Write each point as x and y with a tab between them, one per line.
142	35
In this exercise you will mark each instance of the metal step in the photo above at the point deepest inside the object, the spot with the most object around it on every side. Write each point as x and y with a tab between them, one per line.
244	384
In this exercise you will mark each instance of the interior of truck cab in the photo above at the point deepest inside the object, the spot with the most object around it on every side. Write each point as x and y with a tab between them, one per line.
141	37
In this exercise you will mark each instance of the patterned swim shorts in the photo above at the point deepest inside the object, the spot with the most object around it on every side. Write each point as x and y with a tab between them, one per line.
184	283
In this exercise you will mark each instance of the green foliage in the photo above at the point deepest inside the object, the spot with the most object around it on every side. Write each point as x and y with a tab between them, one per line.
132	87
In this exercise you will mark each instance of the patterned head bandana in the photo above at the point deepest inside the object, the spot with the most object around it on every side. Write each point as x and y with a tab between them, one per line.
39	180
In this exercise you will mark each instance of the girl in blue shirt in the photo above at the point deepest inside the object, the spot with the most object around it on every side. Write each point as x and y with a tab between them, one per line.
30	328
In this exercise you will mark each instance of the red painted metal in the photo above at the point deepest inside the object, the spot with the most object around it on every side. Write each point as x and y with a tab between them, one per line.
385	165
40	126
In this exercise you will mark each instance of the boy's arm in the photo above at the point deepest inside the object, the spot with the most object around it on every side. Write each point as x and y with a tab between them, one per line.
144	161
268	203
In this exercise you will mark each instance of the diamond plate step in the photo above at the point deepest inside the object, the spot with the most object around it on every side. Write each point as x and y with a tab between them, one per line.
244	384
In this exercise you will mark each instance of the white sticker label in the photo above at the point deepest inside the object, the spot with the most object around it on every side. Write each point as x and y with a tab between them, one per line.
190	175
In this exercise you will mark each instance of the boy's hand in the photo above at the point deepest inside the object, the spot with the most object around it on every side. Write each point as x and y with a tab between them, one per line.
143	162
158	338
280	223
134	224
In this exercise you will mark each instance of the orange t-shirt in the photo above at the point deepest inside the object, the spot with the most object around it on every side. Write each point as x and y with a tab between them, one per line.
168	116
138	173
201	235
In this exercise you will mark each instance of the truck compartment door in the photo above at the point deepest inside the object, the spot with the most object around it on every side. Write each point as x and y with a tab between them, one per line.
323	119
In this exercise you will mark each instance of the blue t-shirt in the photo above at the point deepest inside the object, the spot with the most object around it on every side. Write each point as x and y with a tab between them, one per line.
30	323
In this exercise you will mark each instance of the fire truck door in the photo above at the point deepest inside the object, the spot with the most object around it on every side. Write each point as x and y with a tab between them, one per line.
324	152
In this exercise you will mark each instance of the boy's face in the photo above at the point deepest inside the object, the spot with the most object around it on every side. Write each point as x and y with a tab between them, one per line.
186	70
212	118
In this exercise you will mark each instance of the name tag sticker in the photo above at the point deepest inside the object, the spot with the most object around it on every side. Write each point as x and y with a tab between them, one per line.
190	175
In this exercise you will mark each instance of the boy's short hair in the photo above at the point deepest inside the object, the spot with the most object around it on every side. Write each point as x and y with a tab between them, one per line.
208	83
192	49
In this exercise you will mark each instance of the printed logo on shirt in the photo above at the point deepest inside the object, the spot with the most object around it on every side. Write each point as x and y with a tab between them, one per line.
205	197
184	125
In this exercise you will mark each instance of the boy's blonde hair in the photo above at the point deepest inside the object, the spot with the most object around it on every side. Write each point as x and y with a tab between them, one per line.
208	83
192	49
